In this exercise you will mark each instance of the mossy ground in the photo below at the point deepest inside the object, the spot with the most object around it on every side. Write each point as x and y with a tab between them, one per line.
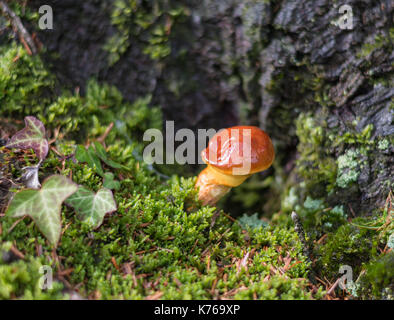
161	243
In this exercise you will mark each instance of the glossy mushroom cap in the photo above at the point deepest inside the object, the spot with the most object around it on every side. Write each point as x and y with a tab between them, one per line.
233	154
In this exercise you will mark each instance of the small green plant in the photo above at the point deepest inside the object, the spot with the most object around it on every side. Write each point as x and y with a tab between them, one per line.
384	224
92	207
31	137
44	205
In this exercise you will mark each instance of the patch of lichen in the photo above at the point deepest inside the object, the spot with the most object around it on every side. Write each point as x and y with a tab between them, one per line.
332	160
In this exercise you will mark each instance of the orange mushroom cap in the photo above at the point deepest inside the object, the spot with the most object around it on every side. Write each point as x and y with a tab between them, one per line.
247	148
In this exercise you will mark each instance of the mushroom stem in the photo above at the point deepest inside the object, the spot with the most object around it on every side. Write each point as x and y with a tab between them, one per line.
210	191
215	184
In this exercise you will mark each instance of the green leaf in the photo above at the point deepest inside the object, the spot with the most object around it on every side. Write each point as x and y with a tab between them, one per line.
102	154
91	208
44	205
89	156
109	181
31	137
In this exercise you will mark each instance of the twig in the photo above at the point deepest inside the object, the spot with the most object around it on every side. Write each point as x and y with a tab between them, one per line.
102	138
331	290
15	224
155	296
16	252
16	22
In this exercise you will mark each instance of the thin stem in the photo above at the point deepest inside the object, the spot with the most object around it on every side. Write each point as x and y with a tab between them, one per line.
18	25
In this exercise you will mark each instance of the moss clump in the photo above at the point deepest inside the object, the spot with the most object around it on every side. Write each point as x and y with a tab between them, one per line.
21	279
278	288
381	41
28	88
315	163
152	22
25	85
349	245
160	240
378	281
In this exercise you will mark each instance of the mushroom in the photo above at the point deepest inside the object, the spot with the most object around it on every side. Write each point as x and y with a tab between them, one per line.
232	156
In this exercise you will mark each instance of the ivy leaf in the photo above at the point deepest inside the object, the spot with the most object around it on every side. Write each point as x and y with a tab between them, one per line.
109	181
90	207
90	157
43	205
31	137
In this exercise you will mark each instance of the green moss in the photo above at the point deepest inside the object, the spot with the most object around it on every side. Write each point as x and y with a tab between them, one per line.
380	41
315	163
160	239
379	278
163	235
150	21
347	246
21	279
25	85
352	137
27	88
277	288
